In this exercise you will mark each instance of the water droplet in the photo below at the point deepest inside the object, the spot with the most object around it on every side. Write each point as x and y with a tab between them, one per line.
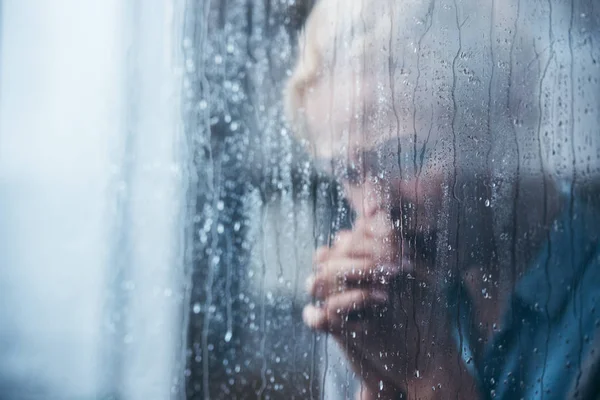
487	203
190	65
228	336
196	308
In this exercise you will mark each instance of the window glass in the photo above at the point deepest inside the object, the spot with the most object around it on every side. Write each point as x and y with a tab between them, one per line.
299	199
465	130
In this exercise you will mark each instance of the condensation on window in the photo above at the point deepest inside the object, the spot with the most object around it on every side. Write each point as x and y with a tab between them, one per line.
299	199
466	122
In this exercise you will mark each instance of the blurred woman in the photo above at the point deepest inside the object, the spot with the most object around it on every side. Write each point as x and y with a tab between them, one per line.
470	271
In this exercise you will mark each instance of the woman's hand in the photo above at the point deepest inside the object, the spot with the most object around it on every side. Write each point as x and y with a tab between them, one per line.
383	312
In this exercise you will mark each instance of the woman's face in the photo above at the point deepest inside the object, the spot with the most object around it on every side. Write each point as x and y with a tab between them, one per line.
355	139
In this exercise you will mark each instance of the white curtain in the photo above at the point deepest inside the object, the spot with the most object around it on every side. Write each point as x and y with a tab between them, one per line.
92	270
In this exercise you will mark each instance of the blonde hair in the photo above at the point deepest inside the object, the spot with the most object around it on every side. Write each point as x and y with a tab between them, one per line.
366	38
441	67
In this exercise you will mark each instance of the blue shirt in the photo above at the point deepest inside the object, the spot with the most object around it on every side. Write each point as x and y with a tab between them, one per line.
549	344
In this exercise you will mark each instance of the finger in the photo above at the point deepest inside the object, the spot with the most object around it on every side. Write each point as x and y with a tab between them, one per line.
351	267
336	275
333	315
315	317
355	244
355	300
342	274
365	236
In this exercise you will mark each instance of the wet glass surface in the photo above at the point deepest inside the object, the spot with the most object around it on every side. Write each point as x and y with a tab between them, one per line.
298	199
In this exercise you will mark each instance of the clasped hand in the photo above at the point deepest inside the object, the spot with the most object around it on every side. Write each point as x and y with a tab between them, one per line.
379	306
